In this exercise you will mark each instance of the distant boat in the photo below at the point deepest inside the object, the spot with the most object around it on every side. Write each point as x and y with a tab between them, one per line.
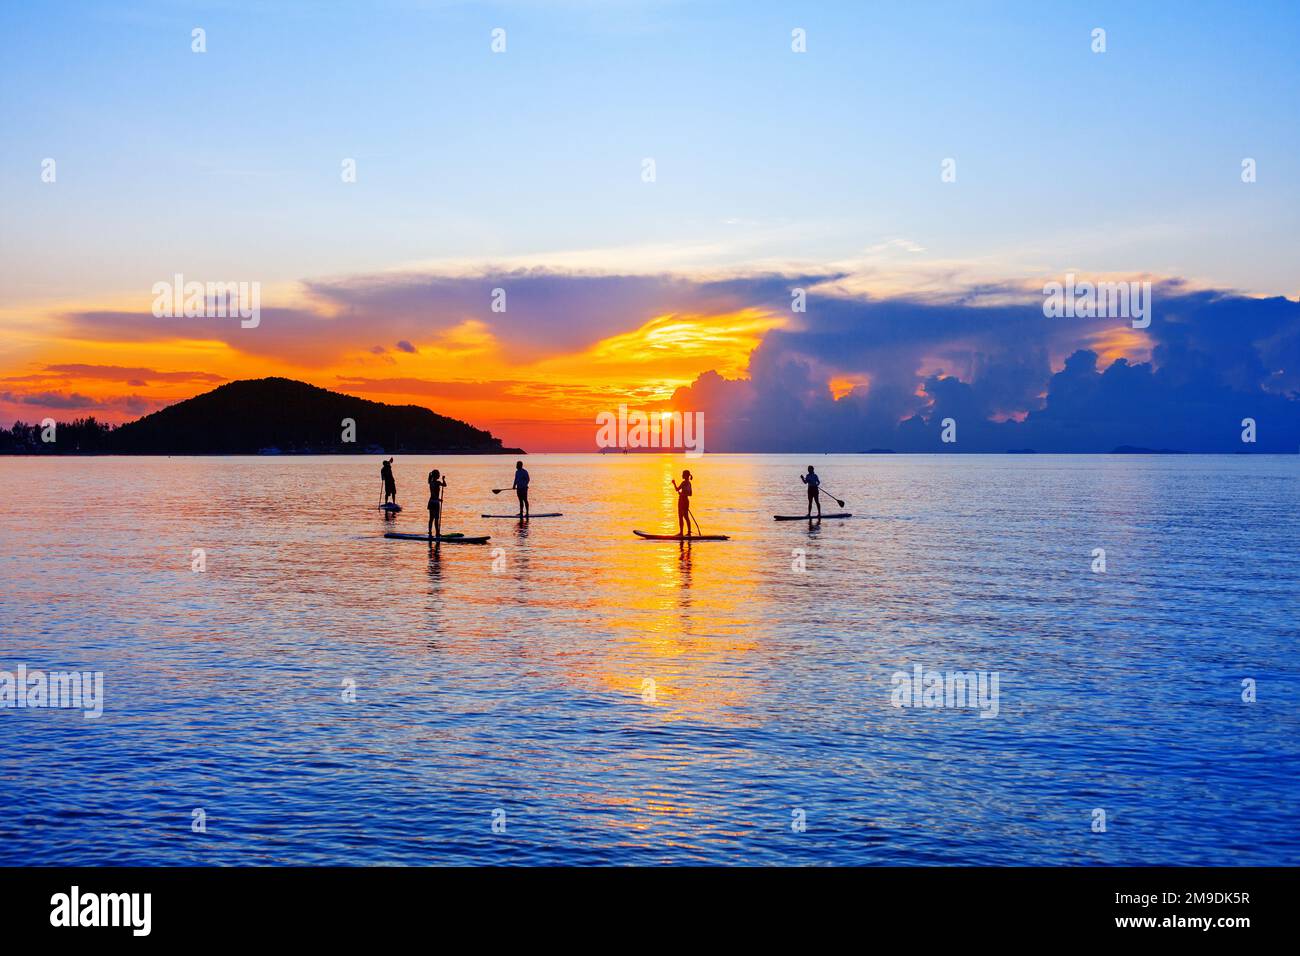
270	450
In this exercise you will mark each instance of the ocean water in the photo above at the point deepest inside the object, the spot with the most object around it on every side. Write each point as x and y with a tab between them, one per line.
570	694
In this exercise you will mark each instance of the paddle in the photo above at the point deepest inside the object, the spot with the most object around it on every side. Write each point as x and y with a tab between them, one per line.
497	491
833	498
437	528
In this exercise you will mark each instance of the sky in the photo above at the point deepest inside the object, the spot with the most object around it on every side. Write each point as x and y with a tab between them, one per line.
526	170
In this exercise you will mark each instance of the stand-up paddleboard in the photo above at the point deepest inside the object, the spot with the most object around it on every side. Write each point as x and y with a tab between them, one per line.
449	538
681	537
390	506
844	514
549	514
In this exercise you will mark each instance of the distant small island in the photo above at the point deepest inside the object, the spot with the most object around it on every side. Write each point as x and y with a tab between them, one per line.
264	416
1138	450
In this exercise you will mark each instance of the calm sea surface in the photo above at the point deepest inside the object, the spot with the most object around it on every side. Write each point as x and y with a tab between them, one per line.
613	700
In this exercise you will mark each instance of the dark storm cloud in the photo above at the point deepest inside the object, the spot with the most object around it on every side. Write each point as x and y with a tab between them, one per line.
1216	359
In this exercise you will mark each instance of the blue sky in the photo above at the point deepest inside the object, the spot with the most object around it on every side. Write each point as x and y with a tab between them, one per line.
229	161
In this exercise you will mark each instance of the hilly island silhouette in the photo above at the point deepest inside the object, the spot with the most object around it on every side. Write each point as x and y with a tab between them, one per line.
264	415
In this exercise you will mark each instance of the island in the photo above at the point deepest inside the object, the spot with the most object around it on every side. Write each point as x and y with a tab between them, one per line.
265	416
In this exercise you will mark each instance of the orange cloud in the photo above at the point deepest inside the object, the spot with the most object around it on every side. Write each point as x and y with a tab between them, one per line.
1118	342
841	385
562	394
669	351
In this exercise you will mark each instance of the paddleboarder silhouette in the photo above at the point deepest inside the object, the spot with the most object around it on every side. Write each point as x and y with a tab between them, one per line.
814	487
436	484
521	488
684	503
390	484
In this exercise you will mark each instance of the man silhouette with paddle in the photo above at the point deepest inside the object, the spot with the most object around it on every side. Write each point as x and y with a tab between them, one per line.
521	488
390	484
814	488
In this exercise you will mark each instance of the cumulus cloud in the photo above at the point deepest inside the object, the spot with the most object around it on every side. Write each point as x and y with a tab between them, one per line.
1216	359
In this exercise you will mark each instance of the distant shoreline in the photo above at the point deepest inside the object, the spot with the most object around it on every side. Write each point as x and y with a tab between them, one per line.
674	454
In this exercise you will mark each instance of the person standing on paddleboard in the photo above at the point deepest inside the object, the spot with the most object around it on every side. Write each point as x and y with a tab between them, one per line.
436	484
684	503
814	487
390	483
521	488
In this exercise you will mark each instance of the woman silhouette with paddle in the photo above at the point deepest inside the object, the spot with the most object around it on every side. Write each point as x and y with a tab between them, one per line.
684	503
436	484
